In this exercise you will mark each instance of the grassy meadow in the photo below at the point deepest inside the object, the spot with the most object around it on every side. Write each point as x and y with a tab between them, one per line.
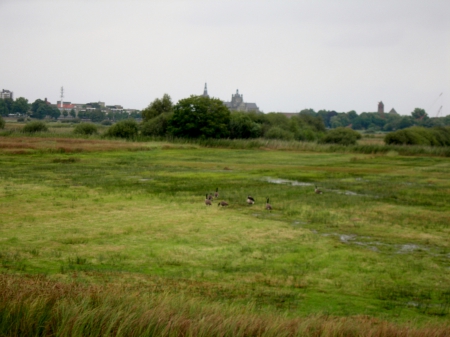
104	237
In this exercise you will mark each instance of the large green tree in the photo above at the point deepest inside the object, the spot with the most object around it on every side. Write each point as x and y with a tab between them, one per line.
200	117
157	107
45	110
20	106
9	104
419	114
4	111
242	126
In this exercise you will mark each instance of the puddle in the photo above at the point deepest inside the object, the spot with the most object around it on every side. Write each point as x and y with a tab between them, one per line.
300	183
286	181
348	193
298	223
365	241
408	248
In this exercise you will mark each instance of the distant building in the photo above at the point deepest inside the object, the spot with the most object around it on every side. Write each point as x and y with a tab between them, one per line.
393	112
65	106
6	94
237	104
381	109
205	91
114	107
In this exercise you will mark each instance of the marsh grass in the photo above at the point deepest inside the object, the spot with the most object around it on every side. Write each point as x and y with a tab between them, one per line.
38	306
373	248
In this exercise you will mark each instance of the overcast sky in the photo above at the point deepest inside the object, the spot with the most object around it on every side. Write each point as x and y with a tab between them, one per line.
282	55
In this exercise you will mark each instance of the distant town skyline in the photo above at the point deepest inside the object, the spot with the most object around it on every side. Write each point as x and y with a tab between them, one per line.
283	56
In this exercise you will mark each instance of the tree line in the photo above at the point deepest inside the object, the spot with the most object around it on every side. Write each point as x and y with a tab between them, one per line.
41	109
205	117
373	121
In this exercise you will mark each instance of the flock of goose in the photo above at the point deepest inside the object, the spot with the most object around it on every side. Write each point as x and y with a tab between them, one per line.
250	200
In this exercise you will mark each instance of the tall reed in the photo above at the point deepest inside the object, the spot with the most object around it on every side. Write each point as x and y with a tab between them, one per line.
38	306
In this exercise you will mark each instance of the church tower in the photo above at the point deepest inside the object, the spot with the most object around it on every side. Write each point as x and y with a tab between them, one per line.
205	91
381	109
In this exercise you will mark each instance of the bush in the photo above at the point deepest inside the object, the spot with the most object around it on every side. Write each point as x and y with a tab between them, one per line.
21	119
276	132
2	123
242	126
106	122
85	129
437	136
156	126
35	126
342	136
127	128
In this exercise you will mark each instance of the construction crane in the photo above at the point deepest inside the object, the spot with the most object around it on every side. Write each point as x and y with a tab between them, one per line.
439	98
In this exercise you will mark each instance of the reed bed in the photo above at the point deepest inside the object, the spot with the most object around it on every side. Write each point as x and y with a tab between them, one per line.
27	145
39	306
270	144
9	138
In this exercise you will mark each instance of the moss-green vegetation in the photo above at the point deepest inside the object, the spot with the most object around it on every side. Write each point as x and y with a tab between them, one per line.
85	129
437	136
35	126
375	244
342	136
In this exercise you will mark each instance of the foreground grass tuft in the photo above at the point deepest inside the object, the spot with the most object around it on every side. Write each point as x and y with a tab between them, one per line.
37	306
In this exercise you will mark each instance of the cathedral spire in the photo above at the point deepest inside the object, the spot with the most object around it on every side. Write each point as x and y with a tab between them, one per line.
205	91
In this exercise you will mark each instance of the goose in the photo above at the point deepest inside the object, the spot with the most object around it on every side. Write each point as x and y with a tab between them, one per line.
216	195
317	191
207	201
250	200
210	196
268	206
222	203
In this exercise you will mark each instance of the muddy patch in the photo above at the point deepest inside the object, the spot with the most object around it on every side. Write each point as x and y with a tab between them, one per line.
377	246
286	182
301	183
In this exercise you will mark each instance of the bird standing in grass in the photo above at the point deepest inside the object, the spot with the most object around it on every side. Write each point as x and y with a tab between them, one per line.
268	206
207	201
222	203
317	191
250	200
216	194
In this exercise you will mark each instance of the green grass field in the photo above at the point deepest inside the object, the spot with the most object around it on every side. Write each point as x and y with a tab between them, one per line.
133	220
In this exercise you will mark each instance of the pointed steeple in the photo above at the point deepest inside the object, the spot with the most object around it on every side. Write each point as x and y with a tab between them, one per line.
205	91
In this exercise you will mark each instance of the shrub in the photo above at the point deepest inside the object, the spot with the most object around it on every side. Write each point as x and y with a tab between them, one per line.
242	126
342	136
85	129
2	123
36	126
437	136
21	119
156	126
127	128
106	122
276	132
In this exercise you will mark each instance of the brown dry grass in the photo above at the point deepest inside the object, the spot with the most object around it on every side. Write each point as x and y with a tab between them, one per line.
24	145
63	307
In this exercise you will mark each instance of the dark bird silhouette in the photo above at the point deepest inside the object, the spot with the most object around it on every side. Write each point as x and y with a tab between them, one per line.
317	191
216	195
268	206
207	201
222	203
210	196
250	200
